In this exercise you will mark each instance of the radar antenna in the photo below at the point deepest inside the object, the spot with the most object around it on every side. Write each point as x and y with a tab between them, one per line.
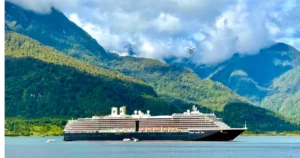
194	108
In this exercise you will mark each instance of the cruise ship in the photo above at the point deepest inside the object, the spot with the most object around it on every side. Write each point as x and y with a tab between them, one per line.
191	125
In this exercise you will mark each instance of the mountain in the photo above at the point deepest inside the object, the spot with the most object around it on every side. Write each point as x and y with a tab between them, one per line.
43	79
284	96
53	29
41	82
170	82
258	77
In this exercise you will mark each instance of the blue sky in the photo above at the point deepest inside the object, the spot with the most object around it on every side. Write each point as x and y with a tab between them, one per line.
163	29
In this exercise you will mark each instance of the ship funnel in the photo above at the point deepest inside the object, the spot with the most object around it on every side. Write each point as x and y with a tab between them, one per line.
123	110
114	111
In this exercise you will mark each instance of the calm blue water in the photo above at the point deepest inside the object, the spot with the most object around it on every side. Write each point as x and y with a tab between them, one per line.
250	146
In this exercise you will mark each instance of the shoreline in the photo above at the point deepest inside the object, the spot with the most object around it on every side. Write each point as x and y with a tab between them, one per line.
244	134
295	133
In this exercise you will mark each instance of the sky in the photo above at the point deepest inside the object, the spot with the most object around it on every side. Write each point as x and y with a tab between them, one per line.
214	29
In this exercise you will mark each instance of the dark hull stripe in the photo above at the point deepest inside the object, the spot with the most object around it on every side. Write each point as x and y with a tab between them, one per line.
213	135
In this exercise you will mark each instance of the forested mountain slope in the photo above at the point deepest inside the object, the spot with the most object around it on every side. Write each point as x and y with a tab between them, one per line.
39	81
171	82
284	96
266	79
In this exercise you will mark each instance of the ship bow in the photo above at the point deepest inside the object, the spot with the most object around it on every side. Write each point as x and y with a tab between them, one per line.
224	135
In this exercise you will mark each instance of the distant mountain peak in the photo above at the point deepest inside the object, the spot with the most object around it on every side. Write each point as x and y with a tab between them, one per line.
280	47
53	29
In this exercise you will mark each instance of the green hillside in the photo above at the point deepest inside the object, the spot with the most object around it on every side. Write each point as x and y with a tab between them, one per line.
168	81
284	97
177	82
266	79
250	75
258	119
40	82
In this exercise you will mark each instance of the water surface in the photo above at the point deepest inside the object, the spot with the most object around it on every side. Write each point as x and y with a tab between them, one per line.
243	146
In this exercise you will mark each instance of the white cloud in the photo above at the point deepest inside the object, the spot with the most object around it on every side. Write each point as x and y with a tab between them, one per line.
235	30
104	36
162	29
44	6
167	23
272	28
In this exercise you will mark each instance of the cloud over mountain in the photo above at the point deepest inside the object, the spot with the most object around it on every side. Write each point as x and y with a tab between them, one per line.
216	29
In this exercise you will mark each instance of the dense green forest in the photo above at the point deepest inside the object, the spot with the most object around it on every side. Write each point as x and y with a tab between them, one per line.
258	119
285	95
170	82
177	82
34	127
42	82
272	82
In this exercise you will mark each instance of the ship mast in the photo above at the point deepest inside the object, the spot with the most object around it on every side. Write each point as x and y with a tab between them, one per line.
245	126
